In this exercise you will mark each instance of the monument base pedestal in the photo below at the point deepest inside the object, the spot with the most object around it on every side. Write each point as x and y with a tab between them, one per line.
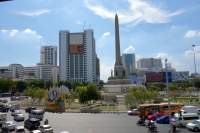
118	81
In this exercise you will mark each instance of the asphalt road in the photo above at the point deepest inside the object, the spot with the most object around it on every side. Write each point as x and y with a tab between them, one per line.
96	123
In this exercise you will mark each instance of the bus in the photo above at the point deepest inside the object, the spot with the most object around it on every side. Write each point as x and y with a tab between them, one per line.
163	108
37	113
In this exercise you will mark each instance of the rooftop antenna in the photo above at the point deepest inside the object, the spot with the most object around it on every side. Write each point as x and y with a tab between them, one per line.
84	23
89	26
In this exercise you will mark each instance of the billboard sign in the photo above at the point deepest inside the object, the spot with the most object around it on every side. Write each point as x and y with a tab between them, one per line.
158	77
154	77
76	49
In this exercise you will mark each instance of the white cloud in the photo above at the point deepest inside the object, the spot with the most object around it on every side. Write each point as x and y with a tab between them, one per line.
99	10
19	34
176	62
106	34
162	55
24	44
33	13
190	53
129	50
192	33
105	71
79	22
137	57
13	33
139	11
103	39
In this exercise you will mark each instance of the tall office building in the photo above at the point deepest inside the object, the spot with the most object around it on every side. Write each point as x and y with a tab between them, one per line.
77	56
48	55
128	61
98	69
150	64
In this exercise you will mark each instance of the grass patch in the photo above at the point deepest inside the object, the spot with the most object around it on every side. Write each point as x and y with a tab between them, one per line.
108	108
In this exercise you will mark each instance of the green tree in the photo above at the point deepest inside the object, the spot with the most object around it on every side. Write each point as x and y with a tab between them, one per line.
29	92
81	92
172	87
69	98
153	88
197	83
92	92
36	93
7	85
37	83
40	93
138	95
21	86
156	86
87	93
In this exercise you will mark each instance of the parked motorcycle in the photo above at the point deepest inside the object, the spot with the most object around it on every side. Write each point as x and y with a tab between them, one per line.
141	122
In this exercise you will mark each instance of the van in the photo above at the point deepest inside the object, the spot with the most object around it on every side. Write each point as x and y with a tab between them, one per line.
185	118
189	109
32	123
38	114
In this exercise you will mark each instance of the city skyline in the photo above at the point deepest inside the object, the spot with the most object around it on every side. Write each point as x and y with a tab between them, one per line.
169	31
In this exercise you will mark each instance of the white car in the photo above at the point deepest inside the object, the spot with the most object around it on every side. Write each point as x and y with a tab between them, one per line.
36	131
133	112
194	125
186	118
19	129
15	112
19	117
46	129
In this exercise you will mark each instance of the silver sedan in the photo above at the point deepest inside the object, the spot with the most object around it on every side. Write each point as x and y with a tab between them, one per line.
194	126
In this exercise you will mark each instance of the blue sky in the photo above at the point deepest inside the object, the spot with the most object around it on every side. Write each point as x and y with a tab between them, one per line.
149	28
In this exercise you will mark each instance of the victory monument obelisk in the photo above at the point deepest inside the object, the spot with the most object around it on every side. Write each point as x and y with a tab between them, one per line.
119	71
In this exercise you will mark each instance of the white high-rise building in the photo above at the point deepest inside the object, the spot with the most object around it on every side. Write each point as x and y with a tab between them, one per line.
47	72
41	71
48	55
150	64
31	73
13	71
17	71
77	56
5	72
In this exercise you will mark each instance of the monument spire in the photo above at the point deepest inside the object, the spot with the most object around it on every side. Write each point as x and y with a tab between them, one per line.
118	69
117	42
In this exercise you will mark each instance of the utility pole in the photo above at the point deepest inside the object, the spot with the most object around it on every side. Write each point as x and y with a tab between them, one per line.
194	58
167	85
195	67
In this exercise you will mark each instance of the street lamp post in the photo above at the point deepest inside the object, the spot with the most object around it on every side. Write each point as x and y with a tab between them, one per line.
195	67
194	58
167	85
